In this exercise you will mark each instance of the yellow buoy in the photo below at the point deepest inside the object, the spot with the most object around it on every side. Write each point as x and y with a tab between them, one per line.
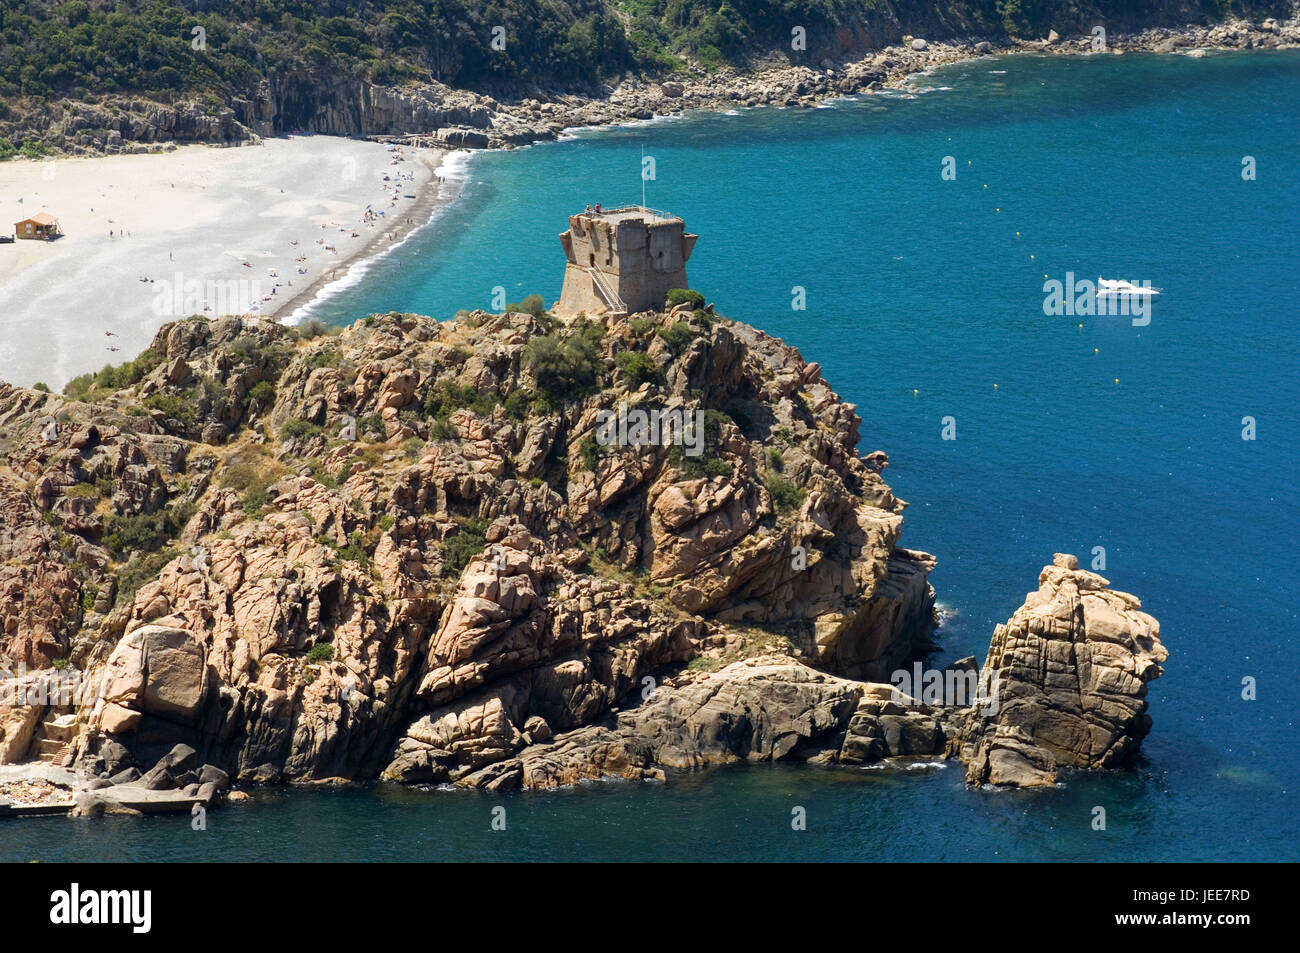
913	391
1081	325
1095	351
1031	257
1117	380
999	210
995	386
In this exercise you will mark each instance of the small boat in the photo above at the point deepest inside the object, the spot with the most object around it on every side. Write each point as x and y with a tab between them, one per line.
1108	287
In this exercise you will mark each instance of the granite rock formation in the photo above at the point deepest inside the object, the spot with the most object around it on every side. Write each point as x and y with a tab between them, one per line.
1072	665
224	566
399	550
1064	686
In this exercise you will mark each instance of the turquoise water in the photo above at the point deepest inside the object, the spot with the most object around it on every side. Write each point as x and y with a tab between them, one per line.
921	297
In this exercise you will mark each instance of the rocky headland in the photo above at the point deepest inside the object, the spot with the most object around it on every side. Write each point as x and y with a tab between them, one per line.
398	550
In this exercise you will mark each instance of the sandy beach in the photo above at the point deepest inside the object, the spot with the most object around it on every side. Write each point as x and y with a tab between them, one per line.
212	231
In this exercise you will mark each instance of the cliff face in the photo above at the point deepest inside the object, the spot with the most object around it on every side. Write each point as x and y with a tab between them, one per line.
401	548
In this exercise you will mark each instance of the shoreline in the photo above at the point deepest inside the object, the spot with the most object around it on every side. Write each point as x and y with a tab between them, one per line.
433	196
555	117
636	102
915	62
631	110
212	231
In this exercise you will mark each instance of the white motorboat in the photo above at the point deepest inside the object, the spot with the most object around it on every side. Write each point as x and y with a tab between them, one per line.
1117	287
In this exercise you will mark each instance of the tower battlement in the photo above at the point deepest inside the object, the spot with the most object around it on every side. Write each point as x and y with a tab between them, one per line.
623	260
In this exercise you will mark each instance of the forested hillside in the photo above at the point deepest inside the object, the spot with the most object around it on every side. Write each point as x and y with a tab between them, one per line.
162	48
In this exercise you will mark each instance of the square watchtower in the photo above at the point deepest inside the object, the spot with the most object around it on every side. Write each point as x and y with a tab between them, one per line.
623	260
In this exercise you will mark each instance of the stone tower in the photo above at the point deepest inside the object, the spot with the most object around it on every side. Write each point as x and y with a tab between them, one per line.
623	260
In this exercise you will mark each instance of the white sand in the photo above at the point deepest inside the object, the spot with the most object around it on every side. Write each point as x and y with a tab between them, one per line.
191	219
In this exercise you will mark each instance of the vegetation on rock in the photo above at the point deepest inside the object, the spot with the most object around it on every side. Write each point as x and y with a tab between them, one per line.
469	532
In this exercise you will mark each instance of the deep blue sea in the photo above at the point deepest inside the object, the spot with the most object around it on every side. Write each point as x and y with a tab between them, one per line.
922	295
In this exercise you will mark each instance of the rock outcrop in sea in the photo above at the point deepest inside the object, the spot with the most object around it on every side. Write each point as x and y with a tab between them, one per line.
1073	665
399	550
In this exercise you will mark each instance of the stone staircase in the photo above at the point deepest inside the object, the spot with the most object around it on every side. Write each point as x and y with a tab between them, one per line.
612	300
56	742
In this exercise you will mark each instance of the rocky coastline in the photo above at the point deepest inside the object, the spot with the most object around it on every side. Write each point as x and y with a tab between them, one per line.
397	551
436	115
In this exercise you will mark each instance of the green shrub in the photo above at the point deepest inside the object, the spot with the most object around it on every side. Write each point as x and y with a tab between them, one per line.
82	491
112	378
443	429
143	531
172	406
533	304
446	395
464	546
42	387
139	571
785	495
89	593
324	356
321	652
518	404
637	367
254	486
146	531
239	476
591	453
299	428
640	326
355	550
312	328
256	499
775	460
565	365
685	296
263	392
322	476
708	463
677	336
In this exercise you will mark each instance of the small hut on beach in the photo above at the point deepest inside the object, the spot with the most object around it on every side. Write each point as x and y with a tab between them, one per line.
42	226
